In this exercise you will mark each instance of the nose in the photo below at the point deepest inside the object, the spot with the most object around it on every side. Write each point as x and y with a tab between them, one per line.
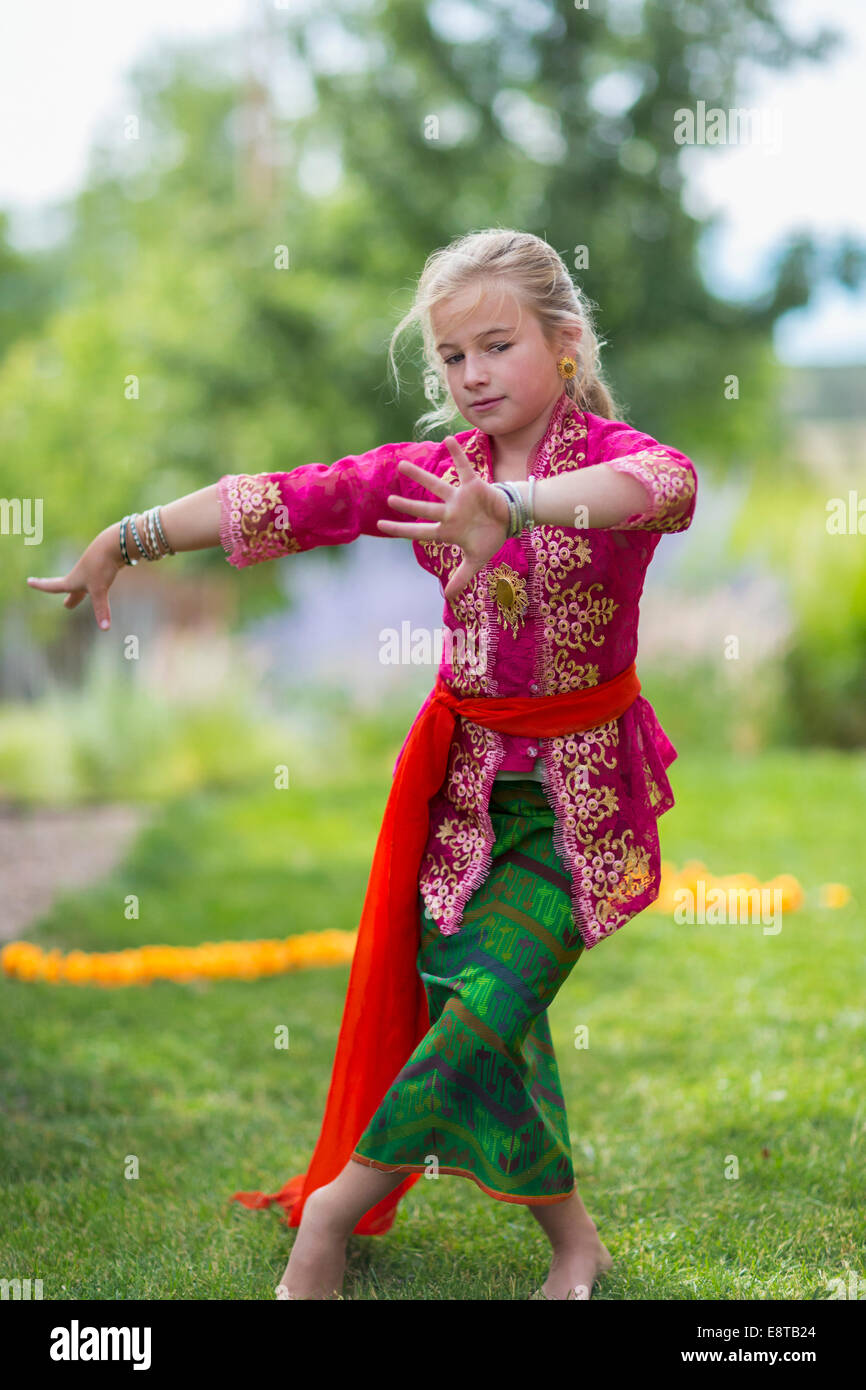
475	373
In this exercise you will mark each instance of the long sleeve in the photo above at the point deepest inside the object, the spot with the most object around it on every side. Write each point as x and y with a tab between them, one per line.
669	477
265	515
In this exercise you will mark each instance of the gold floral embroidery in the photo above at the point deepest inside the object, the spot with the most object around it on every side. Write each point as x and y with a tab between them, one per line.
635	876
576	759
508	588
573	619
570	615
571	677
464	837
464	779
259	519
615	873
671	485
610	870
653	792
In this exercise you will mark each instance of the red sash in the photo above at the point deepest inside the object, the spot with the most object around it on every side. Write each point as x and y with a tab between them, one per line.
385	1014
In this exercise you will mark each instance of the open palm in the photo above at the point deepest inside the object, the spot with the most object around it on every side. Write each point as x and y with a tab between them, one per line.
473	515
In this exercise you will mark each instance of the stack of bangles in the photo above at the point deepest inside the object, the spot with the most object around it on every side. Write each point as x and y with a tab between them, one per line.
521	513
154	535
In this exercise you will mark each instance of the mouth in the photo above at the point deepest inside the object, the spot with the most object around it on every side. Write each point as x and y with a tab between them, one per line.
488	401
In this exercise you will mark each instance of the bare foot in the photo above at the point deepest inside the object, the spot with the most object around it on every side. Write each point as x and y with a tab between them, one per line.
318	1258
577	1266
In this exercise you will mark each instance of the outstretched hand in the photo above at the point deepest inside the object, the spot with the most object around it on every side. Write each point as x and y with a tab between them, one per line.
473	515
93	574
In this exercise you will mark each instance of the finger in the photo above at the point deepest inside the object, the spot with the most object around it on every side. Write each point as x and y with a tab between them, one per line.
465	471
50	586
462	576
431	481
101	610
75	598
415	530
417	506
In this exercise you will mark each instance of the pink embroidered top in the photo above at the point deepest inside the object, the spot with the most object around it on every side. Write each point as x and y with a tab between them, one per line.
555	609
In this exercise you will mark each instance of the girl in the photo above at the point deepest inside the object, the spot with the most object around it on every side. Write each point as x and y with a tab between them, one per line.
521	826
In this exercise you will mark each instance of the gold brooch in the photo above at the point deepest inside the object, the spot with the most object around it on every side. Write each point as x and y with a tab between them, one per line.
508	588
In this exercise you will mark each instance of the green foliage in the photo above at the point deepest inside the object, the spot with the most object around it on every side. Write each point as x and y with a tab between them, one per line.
159	346
175	350
716	703
113	739
784	520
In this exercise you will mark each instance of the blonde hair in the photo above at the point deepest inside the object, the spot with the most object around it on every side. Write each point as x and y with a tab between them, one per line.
537	276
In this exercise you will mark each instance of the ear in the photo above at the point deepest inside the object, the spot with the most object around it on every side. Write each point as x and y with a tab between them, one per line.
570	342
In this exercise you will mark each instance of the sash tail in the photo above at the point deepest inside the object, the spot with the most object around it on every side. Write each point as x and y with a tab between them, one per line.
385	1014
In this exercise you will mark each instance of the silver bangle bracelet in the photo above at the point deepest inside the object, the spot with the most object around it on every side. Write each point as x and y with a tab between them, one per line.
152	529
158	520
136	537
513	521
520	510
123	550
151	536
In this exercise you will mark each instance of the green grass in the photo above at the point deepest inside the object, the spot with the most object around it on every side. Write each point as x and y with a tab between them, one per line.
709	1047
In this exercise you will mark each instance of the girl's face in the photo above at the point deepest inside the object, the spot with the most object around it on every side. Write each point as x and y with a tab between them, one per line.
495	352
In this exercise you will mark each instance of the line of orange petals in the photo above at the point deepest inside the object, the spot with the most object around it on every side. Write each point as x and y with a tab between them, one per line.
248	960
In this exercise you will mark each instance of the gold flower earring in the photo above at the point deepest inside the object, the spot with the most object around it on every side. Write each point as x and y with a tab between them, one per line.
566	366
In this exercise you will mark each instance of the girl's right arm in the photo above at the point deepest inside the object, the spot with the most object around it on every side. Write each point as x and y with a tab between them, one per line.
256	517
190	523
266	515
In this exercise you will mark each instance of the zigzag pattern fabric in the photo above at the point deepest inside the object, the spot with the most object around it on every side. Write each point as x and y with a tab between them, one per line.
480	1096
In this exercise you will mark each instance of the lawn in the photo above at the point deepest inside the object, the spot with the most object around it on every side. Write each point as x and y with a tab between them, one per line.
717	1115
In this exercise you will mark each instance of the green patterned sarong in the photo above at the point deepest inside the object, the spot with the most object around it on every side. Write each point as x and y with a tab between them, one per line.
480	1096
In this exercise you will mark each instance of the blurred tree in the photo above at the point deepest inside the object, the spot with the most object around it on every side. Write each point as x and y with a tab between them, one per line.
29	289
185	347
560	120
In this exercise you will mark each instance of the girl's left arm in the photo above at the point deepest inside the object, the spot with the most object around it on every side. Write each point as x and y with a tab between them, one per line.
266	515
633	483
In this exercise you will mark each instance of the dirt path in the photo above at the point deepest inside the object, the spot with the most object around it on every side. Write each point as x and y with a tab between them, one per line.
44	852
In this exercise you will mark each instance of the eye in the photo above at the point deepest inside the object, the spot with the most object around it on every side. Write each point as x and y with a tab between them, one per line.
494	347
